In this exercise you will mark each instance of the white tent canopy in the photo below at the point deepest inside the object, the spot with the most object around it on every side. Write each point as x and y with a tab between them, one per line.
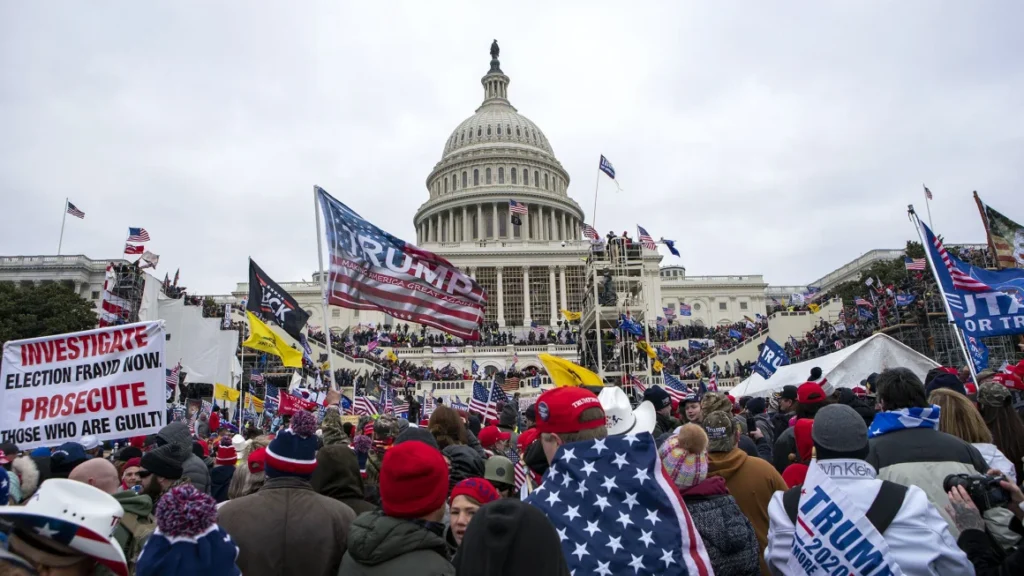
844	368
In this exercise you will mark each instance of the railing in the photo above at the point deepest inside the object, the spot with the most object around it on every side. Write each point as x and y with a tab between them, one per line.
759	279
58	260
752	337
781	313
513	243
509	349
465	387
353	359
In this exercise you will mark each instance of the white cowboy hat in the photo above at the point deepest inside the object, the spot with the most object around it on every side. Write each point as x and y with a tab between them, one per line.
76	515
621	418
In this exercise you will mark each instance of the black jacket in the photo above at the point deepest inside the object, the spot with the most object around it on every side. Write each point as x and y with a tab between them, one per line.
862	408
337	476
510	538
987	558
665	424
220	481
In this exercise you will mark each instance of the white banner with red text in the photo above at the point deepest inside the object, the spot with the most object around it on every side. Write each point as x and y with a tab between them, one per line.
109	383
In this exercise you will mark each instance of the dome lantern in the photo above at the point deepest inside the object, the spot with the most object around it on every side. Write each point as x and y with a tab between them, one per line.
495	82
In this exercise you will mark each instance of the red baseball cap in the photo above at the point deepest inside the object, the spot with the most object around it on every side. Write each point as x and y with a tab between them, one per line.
559	410
810	393
859	391
491	435
526	438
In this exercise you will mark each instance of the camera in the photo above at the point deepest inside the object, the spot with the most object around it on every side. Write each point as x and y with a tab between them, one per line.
985	491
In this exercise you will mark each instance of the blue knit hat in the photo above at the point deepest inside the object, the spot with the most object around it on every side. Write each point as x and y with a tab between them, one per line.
293	451
187	540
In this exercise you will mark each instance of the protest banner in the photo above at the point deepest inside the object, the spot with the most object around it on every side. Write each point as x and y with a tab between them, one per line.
109	383
292	404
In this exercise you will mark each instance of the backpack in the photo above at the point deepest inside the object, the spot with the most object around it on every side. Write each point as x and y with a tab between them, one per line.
139	530
881	513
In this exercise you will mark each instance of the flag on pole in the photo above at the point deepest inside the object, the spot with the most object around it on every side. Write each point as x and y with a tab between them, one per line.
364	406
483	402
74	211
134	249
590	233
927	192
373	270
138	235
646	239
671	245
914	263
172	379
1005	236
606	167
517	207
261	337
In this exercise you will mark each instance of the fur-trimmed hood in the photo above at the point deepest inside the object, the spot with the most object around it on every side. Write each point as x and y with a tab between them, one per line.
28	472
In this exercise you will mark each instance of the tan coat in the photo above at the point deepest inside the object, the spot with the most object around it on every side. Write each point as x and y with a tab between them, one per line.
287	528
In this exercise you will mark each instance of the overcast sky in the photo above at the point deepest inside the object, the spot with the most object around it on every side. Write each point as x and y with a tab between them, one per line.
781	141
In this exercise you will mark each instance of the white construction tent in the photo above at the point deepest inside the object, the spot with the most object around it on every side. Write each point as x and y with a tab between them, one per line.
844	368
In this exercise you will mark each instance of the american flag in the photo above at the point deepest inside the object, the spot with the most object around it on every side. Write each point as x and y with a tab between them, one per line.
510	384
398	279
927	192
961	279
401	407
387	400
713	382
520	471
646	239
517	207
483	401
675	388
638	384
661	321
499	395
589	232
134	249
138	235
615	510
271	398
75	211
364	406
863	302
913	264
172	379
256	376
536	327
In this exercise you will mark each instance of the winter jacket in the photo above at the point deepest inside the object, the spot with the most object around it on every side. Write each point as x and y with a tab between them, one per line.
784	446
337	476
727	534
473	442
780	422
220	480
989	560
923	457
380	545
373	462
532	547
918	538
859	405
764	424
665	424
136	525
996	459
195	469
752	482
287	528
29	473
465	463
332	428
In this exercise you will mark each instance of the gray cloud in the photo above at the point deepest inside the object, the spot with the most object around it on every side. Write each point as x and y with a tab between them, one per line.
782	141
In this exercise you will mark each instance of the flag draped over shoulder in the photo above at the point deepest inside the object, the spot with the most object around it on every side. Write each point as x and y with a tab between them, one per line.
373	270
616	512
273	304
261	337
1005	236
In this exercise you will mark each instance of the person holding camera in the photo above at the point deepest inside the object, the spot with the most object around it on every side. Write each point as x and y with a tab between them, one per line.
969	497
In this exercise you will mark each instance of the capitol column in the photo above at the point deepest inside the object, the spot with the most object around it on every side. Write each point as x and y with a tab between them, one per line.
465	224
526	225
554	303
494	219
426	230
526	296
565	231
451	225
540	226
501	298
565	299
479	223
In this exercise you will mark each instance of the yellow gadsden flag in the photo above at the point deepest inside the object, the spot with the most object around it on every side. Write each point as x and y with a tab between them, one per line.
392	356
261	337
658	366
814	308
571	316
566	373
645	347
225	393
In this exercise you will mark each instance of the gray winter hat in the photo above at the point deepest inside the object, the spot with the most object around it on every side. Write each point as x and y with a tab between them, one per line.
838	428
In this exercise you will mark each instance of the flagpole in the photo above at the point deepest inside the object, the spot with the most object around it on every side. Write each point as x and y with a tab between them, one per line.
928	204
62	221
945	303
323	291
597	184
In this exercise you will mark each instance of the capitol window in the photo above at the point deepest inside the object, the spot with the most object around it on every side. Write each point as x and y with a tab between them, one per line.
476	177
463	137
536	179
478	132
501	175
508	129
499	129
511	173
464	184
545	181
743	305
526	177
721	305
445	185
487	176
518	135
696	307
488	129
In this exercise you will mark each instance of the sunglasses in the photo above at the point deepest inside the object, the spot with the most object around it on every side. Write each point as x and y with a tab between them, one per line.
143	473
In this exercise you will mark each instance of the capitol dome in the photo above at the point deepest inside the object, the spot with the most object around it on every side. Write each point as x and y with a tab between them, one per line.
496	158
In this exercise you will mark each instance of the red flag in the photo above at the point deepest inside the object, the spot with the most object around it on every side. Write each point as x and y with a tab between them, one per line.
132	249
291	404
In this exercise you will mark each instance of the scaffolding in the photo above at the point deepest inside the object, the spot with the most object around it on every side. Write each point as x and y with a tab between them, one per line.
931	334
126	290
616	287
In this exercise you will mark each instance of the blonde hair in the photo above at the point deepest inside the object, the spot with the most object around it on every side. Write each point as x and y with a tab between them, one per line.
596	433
959	417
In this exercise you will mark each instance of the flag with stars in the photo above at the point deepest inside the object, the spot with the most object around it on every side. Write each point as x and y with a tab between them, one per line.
617	512
373	270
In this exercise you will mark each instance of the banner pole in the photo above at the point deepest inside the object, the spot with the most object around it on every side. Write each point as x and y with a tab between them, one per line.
323	290
597	184
942	292
62	221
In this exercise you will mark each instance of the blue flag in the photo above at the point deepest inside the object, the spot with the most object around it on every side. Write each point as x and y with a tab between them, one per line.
733	333
982	302
671	245
606	167
616	512
696	345
629	325
978	353
905	299
864	314
772	356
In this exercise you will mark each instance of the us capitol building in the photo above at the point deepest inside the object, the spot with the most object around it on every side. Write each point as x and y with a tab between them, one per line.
530	271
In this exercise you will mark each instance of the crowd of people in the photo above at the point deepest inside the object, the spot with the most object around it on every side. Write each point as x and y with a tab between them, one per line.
926	473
